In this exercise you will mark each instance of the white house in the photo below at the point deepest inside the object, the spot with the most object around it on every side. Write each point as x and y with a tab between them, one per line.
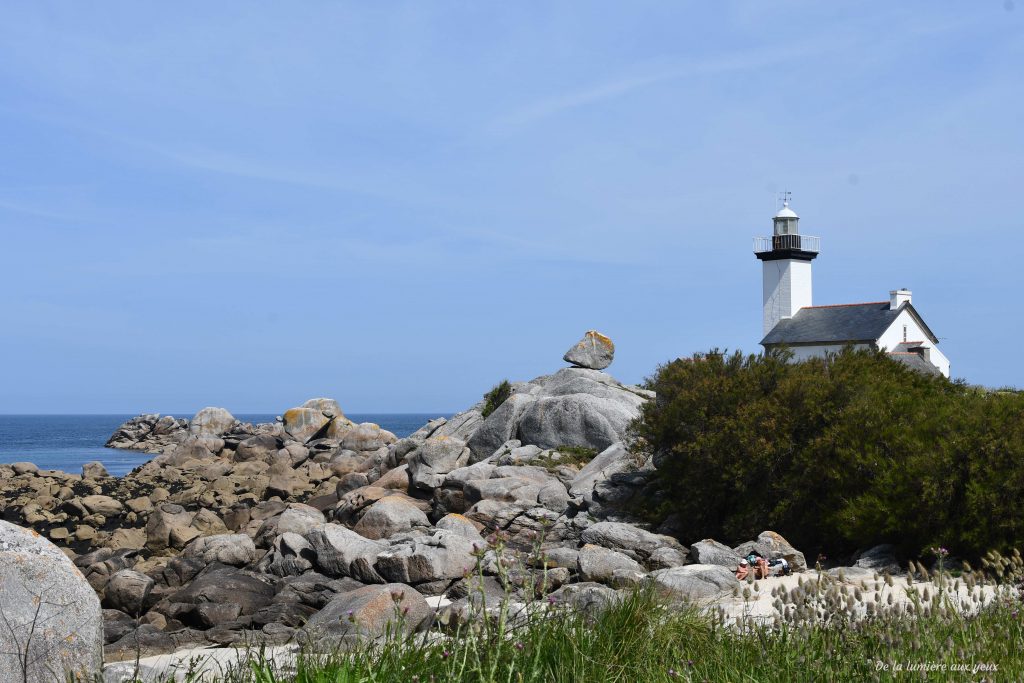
791	319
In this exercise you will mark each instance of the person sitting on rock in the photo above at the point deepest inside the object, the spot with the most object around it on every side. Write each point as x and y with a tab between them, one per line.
743	571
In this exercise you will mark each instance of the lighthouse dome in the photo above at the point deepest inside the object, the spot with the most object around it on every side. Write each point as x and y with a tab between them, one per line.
786	212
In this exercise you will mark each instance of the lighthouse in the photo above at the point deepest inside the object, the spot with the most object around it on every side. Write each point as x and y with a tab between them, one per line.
792	322
785	267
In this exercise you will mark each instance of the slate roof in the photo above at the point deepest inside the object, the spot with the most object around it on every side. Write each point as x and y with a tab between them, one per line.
915	361
834	324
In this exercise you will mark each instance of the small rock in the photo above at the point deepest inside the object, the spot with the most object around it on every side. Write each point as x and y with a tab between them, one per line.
127	591
594	351
710	551
236	550
695	582
212	422
94	470
24	468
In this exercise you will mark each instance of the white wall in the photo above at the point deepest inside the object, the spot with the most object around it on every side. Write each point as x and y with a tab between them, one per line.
894	335
786	288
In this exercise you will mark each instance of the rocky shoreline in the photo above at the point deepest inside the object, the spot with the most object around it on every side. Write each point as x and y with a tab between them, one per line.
308	527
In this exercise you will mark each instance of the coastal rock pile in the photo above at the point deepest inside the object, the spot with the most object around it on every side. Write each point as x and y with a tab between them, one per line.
237	531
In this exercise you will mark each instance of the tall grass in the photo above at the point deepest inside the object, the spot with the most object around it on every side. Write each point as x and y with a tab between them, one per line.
940	627
642	639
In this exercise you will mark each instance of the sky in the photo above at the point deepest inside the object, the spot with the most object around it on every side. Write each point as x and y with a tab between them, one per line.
397	205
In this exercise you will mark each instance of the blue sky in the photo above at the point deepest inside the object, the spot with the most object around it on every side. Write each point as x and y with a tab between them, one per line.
399	204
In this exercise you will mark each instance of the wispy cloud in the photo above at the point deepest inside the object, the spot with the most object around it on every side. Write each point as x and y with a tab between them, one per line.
616	88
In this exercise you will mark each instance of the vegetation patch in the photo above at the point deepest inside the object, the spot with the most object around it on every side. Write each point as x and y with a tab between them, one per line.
574	456
498	394
839	453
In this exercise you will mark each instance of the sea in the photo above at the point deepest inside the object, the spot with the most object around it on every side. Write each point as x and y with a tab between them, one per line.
66	442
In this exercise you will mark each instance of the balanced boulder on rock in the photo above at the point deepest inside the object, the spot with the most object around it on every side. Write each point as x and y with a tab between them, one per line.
594	351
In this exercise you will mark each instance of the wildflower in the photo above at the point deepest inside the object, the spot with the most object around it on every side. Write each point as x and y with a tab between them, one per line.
672	673
446	654
519	646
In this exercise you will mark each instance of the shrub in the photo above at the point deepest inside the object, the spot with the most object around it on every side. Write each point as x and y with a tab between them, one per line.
837	453
496	396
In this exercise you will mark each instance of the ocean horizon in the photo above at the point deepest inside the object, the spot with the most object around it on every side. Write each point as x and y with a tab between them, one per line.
68	441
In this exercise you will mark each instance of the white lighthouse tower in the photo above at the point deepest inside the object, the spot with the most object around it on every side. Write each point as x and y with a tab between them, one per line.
786	267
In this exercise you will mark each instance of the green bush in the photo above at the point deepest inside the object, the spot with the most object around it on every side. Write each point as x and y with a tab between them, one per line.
496	396
835	453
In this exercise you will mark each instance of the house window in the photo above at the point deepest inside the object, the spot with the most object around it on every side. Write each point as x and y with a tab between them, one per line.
904	333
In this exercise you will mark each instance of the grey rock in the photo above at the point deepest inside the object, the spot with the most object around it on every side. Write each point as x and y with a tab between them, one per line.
127	591
94	470
327	406
262	447
223	586
236	550
102	505
611	461
389	516
587	598
305	424
771	545
297	518
461	426
366	437
445	555
573	420
342	552
695	582
595	563
116	625
212	422
24	468
880	558
710	551
463	475
41	588
562	557
594	351
165	519
633	541
664	558
438	456
500	426
461	526
520	455
368	611
146	639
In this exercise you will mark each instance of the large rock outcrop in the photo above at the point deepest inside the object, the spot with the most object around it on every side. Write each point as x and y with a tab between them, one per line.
52	623
574	407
